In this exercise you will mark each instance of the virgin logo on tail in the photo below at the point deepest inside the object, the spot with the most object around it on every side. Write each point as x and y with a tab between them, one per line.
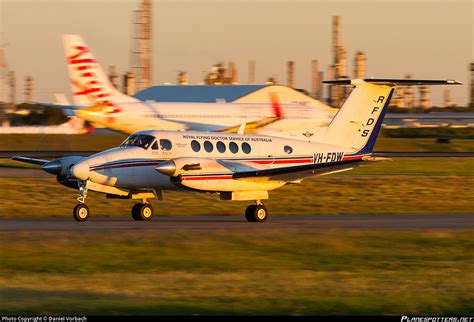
87	81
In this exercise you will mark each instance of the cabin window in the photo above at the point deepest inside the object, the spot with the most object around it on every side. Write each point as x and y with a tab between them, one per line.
165	145
288	149
195	145
220	147
233	147
208	146
155	146
246	148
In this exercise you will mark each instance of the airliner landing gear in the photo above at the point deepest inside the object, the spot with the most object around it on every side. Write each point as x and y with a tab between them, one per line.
256	213
142	211
81	211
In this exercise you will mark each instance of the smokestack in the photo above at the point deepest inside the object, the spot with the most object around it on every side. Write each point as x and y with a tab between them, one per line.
3	77
472	85
409	94
252	71
315	80
233	73
359	70
28	89
425	97
183	78
141	48
321	88
129	83
113	77
291	74
447	98
400	99
336	37
330	75
12	85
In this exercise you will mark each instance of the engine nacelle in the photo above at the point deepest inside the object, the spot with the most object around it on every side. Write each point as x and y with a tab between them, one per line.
62	166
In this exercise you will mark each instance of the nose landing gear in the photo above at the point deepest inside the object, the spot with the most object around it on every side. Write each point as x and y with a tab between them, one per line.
81	211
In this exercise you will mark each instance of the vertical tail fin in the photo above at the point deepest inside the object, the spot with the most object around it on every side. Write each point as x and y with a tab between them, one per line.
360	118
90	85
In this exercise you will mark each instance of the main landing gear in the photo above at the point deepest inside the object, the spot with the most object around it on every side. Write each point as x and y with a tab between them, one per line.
256	213
142	211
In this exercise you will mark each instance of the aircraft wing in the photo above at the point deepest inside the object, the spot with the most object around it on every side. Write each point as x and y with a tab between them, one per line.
30	160
296	172
251	171
303	171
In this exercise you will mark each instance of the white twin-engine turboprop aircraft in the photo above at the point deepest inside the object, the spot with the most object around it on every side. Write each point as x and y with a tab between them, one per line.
235	166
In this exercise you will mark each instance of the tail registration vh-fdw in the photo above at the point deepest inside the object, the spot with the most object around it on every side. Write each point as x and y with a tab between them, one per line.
234	166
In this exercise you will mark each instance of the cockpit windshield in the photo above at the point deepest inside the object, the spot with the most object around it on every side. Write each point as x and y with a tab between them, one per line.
142	141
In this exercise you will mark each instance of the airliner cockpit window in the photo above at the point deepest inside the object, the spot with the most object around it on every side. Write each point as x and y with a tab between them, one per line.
142	141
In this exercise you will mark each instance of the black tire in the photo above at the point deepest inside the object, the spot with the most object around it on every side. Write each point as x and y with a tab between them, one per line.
145	212
81	212
250	213
135	211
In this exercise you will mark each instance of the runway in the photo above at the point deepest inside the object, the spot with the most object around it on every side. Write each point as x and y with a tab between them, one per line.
236	223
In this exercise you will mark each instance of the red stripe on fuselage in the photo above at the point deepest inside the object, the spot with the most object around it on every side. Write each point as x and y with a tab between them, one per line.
271	161
209	178
353	157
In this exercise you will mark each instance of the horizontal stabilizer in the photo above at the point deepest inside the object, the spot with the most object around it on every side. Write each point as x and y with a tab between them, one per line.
394	81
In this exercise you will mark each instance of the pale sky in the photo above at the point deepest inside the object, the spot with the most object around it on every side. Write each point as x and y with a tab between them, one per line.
429	39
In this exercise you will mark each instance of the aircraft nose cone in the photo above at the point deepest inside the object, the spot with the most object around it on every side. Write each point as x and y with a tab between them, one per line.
167	167
81	171
53	167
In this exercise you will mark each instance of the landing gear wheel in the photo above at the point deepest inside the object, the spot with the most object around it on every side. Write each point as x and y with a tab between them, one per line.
250	213
261	213
81	212
145	211
256	213
135	211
